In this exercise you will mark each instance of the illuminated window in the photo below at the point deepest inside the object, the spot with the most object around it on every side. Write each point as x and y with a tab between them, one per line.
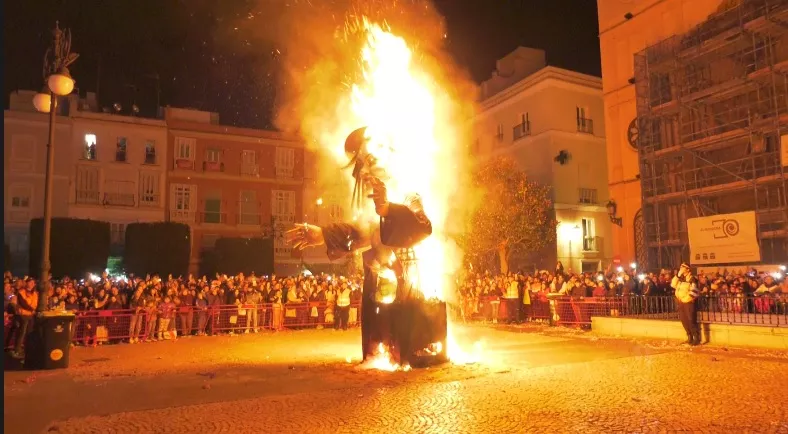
90	147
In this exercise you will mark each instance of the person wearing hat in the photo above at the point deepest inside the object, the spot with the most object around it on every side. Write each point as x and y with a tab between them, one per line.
399	227
686	287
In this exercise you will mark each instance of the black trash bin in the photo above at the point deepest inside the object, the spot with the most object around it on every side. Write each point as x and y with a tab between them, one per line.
48	345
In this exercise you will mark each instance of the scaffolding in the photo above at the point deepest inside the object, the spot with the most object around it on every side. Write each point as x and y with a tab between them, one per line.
712	110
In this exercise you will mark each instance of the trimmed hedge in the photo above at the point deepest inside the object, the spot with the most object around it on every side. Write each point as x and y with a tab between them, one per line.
77	246
160	247
239	255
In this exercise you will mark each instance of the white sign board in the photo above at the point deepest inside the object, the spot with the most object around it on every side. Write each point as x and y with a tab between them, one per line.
724	239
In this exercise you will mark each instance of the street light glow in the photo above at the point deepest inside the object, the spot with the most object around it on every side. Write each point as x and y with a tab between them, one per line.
319	201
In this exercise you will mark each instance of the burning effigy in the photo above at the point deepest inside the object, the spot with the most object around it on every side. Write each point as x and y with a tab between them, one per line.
397	124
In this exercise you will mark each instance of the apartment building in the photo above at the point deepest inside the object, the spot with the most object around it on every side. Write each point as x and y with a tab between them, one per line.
551	121
233	182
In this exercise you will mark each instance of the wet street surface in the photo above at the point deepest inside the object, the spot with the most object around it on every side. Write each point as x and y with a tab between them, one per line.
529	379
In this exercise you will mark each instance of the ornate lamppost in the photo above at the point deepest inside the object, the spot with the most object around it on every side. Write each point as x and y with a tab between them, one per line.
58	82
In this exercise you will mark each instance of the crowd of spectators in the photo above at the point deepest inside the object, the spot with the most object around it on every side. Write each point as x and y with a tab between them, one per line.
762	292
164	308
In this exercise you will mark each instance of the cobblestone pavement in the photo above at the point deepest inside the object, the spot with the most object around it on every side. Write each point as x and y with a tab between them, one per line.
529	382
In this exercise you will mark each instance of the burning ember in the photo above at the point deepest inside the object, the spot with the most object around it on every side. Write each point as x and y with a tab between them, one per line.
382	361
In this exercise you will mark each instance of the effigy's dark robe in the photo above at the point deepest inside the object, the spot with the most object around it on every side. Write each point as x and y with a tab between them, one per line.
402	228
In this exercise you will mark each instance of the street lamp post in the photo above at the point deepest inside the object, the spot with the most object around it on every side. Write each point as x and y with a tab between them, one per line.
58	83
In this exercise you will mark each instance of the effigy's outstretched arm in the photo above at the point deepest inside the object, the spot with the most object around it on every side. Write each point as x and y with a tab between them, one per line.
343	238
404	228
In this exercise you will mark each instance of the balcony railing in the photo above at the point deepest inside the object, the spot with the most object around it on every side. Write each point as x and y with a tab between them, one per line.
250	219
591	244
149	200
181	215
212	166
119	199
184	163
585	125
284	172
248	169
87	197
522	130
587	196
213	217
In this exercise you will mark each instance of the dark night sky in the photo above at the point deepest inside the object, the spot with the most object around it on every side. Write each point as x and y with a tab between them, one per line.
124	43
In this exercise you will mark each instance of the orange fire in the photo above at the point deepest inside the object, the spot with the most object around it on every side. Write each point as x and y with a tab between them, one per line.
416	129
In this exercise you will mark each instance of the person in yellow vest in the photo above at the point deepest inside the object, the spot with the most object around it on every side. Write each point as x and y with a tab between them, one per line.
343	307
512	297
527	301
686	287
26	305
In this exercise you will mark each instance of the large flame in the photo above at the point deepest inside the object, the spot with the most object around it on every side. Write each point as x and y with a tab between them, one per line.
416	134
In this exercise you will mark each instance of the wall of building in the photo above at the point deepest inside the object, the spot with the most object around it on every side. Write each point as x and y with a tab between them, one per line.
620	39
550	101
230	182
25	139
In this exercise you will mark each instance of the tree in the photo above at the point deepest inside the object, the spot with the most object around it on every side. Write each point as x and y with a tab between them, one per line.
515	214
160	247
76	246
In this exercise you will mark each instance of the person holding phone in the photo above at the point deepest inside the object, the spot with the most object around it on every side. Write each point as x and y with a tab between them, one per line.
686	287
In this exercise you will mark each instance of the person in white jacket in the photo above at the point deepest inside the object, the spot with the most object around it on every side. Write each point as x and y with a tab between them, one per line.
687	292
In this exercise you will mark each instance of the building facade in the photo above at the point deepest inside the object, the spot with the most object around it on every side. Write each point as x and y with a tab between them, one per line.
551	121
117	170
625	29
25	138
233	182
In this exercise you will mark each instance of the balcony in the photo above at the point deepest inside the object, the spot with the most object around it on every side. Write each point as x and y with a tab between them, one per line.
119	199
184	164
587	196
522	130
212	166
248	219
181	215
284	172
88	197
249	169
149	200
585	126
592	244
213	217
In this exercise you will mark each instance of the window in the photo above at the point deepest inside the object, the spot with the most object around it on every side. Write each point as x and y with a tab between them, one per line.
248	213
584	124
90	147
212	212
120	150
213	155
184	152
23	150
150	152
283	206
589	235
249	165
119	193
285	162
523	128
21	198
149	189
182	202
499	133
117	233
588	195
87	185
